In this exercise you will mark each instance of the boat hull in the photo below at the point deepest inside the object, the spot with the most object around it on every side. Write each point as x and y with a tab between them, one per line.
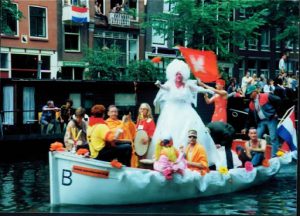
85	181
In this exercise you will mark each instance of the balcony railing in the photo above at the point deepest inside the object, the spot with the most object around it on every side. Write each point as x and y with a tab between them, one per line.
120	19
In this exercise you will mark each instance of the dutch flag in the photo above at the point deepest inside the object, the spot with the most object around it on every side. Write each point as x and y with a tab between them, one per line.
79	14
286	129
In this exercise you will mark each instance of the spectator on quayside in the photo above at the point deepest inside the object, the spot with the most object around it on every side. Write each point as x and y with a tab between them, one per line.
269	88
102	141
66	114
246	81
254	150
126	126
49	116
196	155
75	136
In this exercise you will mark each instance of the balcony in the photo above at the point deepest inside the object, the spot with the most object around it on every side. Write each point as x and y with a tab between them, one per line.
120	19
75	14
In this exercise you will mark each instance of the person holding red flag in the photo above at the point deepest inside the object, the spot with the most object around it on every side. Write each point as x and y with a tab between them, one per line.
220	100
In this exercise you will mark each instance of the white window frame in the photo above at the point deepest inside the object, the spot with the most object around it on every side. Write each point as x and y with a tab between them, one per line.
162	37
34	37
265	47
17	33
79	40
256	44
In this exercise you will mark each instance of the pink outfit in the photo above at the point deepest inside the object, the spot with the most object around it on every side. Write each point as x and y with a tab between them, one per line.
167	168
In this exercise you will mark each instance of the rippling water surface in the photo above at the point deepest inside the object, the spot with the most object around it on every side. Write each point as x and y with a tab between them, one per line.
24	187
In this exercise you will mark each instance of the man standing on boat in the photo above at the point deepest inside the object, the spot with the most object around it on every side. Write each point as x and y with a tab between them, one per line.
102	141
263	113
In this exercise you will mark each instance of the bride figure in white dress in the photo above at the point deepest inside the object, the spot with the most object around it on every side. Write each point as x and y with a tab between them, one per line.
177	116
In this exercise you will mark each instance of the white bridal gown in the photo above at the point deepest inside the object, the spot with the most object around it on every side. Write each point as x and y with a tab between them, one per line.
178	116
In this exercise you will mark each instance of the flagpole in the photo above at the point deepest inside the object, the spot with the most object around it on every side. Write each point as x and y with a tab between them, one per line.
286	113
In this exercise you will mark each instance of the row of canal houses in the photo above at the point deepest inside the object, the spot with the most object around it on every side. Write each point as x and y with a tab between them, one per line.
41	55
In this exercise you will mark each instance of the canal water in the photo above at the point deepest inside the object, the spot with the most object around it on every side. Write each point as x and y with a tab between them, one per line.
24	187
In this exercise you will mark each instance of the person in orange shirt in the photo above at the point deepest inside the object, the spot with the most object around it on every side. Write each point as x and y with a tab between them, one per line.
196	154
102	141
126	129
220	100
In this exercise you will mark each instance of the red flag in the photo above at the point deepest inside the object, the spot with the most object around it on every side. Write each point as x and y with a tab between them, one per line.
203	64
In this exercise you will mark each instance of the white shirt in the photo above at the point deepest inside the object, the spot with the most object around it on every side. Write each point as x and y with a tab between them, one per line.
282	65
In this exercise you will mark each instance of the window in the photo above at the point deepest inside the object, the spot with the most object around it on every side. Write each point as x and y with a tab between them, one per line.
264	68
169	6
242	12
8	105
158	38
265	40
72	38
38	22
9	22
252	44
252	66
125	100
4	60
179	38
127	44
277	41
76	98
28	104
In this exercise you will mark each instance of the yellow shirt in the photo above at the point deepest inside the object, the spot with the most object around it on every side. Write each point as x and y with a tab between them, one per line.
97	135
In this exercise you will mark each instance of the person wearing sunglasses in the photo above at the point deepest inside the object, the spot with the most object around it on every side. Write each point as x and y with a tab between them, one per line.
195	154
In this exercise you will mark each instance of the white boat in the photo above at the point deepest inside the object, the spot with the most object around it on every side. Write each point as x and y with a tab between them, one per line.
85	181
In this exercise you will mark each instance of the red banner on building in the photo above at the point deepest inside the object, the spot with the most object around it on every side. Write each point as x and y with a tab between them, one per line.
203	64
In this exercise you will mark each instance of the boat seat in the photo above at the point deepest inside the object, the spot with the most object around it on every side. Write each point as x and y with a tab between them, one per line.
146	164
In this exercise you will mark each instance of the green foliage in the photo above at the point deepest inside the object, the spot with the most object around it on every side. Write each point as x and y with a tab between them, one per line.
212	25
142	71
104	64
8	11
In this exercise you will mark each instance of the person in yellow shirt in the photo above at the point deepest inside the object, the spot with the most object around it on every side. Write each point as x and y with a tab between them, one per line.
126	128
102	140
196	154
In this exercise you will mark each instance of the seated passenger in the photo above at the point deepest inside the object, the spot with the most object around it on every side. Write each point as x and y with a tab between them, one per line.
168	159
126	127
75	136
254	149
102	141
196	155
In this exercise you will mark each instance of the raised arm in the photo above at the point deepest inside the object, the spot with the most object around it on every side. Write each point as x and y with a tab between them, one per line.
161	86
220	92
